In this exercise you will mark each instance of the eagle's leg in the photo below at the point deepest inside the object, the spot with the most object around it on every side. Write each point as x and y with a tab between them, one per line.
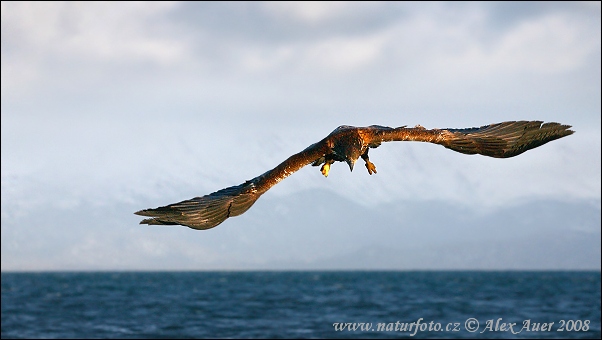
369	165
326	167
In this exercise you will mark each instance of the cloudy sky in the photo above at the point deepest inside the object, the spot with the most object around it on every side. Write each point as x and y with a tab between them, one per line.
109	108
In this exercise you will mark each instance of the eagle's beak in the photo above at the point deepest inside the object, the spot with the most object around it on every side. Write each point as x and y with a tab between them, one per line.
351	163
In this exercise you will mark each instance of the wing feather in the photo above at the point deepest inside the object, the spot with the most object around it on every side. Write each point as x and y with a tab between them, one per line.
207	211
501	140
210	210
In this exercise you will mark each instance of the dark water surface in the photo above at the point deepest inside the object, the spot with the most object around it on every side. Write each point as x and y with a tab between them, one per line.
300	304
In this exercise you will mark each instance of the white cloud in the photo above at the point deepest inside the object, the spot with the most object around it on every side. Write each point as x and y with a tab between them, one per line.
36	35
546	45
332	55
94	30
344	54
312	12
554	43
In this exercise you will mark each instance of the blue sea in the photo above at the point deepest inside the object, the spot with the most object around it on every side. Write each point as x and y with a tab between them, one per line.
330	304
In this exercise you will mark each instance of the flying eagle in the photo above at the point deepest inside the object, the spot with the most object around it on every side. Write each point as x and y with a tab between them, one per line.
348	143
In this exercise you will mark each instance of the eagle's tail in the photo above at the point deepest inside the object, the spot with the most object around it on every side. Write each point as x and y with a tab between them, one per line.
503	140
205	212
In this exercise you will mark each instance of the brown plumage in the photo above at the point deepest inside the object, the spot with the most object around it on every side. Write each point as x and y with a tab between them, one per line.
348	143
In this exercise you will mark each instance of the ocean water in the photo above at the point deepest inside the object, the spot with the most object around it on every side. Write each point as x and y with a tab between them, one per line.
361	304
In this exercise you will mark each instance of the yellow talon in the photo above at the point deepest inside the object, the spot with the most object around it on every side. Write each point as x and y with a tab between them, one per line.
371	167
325	169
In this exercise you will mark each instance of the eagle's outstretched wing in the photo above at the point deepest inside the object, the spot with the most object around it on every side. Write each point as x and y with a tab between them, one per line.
501	140
210	210
207	211
348	143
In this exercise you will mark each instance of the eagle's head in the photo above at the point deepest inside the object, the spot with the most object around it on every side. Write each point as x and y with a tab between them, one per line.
351	154
347	145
